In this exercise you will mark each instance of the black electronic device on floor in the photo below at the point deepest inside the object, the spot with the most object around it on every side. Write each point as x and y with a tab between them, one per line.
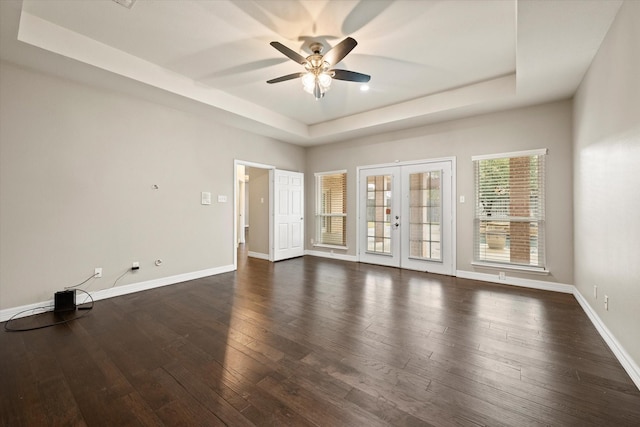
64	301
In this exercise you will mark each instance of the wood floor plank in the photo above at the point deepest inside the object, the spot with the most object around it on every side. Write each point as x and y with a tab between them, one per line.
204	394
314	407
313	341
383	409
183	408
142	412
20	403
59	405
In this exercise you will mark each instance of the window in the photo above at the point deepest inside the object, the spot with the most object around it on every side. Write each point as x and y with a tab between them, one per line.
509	210
331	209
425	215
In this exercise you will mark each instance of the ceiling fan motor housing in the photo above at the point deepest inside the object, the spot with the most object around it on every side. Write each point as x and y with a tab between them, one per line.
316	48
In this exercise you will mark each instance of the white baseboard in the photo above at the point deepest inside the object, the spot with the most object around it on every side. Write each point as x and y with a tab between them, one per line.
629	365
517	281
621	354
29	309
258	255
26	310
343	257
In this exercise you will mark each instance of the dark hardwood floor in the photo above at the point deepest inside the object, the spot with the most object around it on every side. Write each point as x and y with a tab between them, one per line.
313	341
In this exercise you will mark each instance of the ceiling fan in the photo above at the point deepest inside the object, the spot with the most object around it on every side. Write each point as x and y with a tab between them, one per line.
317	77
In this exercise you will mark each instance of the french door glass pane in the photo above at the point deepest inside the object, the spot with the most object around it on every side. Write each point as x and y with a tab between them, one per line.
379	214
425	213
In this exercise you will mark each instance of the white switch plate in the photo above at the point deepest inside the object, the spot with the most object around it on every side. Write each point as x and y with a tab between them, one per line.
222	199
205	198
461	199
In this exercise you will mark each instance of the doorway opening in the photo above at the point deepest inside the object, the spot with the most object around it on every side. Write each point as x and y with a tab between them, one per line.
253	201
268	212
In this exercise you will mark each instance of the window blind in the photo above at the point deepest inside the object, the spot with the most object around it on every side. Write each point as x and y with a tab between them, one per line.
510	209
331	209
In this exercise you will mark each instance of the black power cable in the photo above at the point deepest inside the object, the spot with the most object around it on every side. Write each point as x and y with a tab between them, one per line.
60	322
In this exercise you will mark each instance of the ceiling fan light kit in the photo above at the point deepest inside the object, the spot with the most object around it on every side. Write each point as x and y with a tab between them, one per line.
318	74
317	79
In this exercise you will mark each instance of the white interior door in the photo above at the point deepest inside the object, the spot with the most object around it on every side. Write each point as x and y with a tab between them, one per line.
406	216
288	233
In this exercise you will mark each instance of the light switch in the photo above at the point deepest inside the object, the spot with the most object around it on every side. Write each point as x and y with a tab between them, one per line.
461	199
222	198
205	198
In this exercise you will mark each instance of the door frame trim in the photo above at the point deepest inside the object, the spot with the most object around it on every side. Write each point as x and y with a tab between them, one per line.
271	168
454	198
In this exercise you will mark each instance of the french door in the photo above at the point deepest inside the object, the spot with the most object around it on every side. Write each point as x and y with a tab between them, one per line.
406	216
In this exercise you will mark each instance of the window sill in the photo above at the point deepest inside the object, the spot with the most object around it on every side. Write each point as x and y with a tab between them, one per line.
522	268
322	245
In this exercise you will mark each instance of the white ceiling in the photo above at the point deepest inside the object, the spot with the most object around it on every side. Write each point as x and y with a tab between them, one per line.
429	60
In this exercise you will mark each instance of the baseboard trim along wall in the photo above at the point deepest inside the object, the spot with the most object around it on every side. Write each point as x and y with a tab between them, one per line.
41	307
623	357
516	281
258	255
321	254
629	365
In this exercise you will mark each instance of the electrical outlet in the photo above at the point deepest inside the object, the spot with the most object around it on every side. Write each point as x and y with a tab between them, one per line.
606	302
502	275
595	291
97	273
135	265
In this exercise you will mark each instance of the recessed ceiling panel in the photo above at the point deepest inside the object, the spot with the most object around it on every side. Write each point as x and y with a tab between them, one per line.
429	60
410	48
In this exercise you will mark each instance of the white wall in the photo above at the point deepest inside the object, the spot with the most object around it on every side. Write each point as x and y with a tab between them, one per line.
606	158
543	126
77	165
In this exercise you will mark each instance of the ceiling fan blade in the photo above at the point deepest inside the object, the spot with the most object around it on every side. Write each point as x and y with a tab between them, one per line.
350	76
289	53
339	51
285	78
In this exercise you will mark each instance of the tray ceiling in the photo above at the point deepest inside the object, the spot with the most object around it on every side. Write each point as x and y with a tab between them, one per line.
429	60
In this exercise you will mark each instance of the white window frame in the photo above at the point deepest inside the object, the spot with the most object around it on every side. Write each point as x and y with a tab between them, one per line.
540	218
320	216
